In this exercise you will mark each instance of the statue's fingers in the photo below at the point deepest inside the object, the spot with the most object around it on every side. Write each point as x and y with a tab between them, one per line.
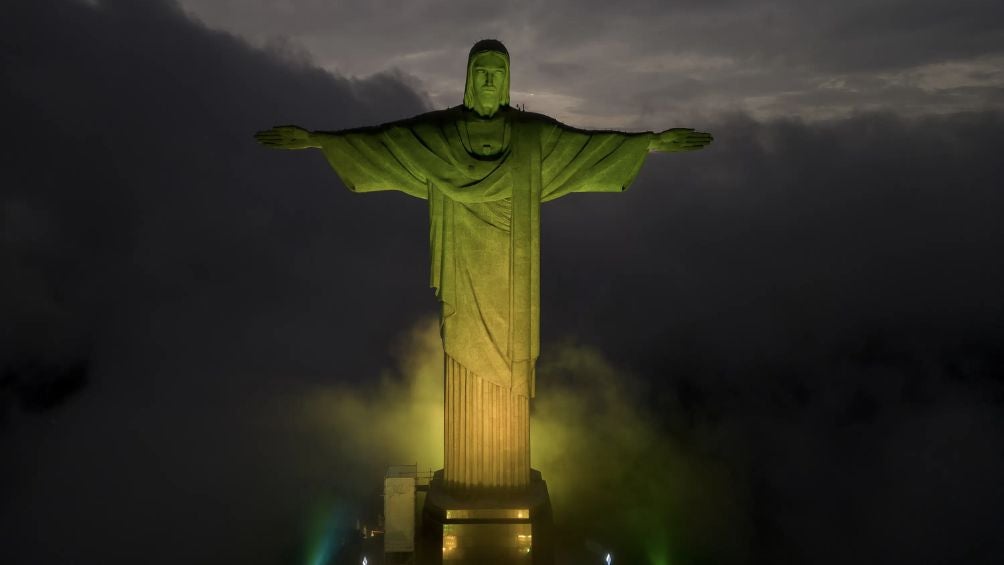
270	139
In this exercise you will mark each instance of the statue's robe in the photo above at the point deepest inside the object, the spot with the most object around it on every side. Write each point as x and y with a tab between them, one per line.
484	238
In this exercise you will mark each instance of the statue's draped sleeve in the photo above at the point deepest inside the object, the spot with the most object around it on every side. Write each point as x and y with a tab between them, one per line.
377	158
577	160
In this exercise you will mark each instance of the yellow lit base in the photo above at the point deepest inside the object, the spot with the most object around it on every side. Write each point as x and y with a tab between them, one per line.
486	527
476	543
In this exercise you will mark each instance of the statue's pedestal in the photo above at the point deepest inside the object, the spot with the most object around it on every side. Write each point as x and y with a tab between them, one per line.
489	527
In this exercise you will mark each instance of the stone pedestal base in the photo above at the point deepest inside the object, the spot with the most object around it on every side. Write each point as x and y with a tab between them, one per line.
486	527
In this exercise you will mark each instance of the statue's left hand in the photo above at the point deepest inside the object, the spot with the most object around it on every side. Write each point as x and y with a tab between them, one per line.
679	139
287	137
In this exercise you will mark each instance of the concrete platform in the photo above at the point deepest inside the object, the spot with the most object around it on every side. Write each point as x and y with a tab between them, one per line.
486	527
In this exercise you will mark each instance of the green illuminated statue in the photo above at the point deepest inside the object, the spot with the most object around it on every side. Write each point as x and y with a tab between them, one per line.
485	169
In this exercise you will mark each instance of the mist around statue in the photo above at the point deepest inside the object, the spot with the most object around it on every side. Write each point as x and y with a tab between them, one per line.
592	428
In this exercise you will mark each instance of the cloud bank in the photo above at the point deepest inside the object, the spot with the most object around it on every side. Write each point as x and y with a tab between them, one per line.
653	64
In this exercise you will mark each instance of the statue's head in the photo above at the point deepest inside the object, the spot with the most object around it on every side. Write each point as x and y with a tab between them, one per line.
487	77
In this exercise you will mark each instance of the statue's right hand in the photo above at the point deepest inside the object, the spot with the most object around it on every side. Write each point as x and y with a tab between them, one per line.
287	137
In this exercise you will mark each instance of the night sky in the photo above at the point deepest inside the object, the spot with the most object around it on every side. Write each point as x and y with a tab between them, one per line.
785	348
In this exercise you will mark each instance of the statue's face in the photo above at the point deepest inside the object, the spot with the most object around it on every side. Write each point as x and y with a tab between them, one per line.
489	78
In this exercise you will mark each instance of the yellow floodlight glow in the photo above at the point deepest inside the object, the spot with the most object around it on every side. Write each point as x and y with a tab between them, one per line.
449	543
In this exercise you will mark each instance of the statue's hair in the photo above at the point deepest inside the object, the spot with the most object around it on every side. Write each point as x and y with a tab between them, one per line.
486	46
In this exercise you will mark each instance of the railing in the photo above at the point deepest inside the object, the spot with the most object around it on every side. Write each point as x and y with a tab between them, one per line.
422	478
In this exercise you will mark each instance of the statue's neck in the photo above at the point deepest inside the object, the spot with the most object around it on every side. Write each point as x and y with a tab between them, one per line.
485	137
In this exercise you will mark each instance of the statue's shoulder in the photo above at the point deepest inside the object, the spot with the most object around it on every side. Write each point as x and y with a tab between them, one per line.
449	116
531	118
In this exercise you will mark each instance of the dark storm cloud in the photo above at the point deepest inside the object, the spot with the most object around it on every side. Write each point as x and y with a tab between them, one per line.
769	59
132	176
890	215
812	308
843	36
153	251
820	307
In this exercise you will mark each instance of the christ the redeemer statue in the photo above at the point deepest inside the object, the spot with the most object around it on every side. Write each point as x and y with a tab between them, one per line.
485	169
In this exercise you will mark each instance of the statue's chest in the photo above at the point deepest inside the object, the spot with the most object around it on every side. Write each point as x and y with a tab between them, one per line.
487	137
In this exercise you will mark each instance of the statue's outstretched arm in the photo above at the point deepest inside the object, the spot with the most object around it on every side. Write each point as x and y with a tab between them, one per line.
679	139
360	156
290	137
